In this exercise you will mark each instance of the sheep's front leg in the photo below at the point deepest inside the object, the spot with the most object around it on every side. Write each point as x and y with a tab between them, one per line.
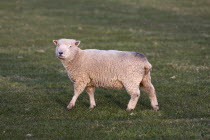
78	89
90	91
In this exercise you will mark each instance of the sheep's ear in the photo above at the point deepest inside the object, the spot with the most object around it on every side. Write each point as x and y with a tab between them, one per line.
77	43
55	42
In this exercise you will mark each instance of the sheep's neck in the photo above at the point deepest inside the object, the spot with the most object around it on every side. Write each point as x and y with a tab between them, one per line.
71	65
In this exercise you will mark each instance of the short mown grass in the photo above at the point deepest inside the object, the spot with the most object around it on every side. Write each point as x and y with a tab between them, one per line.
35	89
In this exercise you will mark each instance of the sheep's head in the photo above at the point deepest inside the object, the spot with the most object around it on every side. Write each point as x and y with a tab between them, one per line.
66	48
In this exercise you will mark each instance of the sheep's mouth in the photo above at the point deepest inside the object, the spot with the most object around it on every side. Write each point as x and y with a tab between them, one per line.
60	57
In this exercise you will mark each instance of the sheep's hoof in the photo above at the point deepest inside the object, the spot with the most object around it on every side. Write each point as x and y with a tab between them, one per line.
129	109
92	106
156	107
67	109
70	106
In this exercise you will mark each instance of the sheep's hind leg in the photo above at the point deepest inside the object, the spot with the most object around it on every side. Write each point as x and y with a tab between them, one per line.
147	86
78	89
90	91
135	94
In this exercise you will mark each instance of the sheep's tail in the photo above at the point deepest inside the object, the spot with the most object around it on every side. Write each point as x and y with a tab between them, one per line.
147	68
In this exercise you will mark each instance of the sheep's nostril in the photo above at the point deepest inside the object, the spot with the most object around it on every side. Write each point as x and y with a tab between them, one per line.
60	53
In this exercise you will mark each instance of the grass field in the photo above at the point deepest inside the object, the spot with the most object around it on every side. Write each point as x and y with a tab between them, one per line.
35	89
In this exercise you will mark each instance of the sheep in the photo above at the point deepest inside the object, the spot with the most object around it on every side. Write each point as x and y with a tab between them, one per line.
111	69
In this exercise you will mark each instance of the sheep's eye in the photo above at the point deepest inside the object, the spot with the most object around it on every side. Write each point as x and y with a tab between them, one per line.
69	46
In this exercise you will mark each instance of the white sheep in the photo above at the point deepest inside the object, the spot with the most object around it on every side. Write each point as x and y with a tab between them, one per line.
111	69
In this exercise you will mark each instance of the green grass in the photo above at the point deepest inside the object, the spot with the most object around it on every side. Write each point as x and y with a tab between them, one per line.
35	89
